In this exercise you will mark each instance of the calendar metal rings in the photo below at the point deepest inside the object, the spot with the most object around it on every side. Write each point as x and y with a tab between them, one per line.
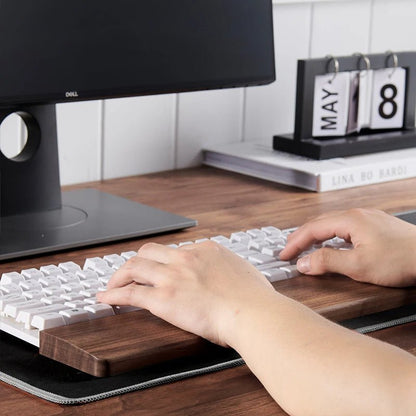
395	61
332	58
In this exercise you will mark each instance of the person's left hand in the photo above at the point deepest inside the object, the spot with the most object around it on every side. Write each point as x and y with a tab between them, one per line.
199	288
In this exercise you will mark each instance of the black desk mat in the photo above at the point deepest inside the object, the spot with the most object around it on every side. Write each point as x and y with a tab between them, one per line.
23	367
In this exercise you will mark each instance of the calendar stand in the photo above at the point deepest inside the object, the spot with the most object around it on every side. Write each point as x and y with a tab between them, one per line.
301	141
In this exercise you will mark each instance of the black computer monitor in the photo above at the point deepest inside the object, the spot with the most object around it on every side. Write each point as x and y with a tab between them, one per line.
57	51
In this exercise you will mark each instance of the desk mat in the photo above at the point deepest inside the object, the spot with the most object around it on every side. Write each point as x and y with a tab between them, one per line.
21	366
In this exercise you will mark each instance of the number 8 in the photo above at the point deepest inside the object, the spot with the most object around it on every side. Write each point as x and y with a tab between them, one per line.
386	100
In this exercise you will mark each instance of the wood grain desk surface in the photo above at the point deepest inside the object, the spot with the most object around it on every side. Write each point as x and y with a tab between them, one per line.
222	203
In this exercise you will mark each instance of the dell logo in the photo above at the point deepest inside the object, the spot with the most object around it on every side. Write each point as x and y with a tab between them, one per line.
71	94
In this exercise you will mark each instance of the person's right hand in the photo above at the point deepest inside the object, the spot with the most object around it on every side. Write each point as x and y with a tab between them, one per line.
383	253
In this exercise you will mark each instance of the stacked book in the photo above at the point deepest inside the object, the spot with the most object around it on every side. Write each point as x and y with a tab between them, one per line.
260	160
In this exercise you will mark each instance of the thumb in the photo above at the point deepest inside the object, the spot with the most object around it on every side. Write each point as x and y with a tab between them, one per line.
325	260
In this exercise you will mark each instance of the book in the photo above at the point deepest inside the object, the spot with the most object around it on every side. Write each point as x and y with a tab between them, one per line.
258	159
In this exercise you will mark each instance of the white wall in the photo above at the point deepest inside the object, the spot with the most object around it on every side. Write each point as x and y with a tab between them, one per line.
113	138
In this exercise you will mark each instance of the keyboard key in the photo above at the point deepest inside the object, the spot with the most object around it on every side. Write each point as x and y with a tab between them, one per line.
32	284
11	288
32	273
274	274
100	310
25	316
87	274
12	277
73	316
291	271
12	298
128	254
12	309
69	267
50	270
259	259
48	320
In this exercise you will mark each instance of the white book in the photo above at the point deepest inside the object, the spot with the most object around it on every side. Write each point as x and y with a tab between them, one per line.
261	161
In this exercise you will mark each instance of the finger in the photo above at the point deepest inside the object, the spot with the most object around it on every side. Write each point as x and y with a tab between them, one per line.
135	295
157	252
138	270
326	260
316	231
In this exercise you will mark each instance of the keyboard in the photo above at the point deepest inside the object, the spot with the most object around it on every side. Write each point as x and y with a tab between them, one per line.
33	300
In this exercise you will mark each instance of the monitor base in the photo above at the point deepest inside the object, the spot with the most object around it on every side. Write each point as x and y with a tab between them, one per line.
87	217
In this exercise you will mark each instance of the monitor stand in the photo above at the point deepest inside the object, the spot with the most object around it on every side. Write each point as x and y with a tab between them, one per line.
37	218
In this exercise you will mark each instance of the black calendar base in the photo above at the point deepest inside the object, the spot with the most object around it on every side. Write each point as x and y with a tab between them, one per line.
345	146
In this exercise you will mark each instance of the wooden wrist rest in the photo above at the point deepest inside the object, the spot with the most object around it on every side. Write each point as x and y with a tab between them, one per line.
121	343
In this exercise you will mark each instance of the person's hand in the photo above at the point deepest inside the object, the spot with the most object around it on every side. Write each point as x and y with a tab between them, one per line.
383	253
199	287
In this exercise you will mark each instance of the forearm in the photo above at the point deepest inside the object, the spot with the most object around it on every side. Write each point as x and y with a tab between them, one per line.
314	367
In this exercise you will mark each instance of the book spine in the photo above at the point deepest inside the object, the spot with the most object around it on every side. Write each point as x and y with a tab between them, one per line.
350	177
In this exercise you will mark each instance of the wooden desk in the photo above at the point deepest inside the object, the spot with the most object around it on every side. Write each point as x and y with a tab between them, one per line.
222	203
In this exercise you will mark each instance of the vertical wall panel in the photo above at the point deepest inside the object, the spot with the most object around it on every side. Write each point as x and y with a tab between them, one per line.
205	118
79	141
340	28
138	135
271	109
393	25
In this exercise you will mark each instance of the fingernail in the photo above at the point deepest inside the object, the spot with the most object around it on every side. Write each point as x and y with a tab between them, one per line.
304	264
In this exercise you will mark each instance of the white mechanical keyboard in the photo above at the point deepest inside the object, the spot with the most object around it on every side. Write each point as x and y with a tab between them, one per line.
55	295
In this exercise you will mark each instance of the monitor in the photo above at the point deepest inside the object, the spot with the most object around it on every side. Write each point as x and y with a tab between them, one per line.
56	51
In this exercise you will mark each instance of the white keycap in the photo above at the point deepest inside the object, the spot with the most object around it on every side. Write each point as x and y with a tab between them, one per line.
100	310
69	277
274	274
274	264
246	254
31	285
69	266
175	245
91	301
11	288
48	320
89	293
91	284
25	316
114	260
185	243
72	296
220	239
51	280
51	300
32	273
33	294
237	247
256	233
12	309
200	240
291	271
73	316
240	237
72	287
76	304
272	250
257	244
94	262
103	270
87	274
53	291
11	277
125	309
12	298
128	254
104	279
271	231
50	270
261	258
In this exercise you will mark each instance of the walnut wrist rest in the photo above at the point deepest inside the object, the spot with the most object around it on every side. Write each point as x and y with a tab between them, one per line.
121	343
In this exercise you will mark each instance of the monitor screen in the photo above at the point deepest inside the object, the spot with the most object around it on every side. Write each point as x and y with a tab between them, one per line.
56	50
